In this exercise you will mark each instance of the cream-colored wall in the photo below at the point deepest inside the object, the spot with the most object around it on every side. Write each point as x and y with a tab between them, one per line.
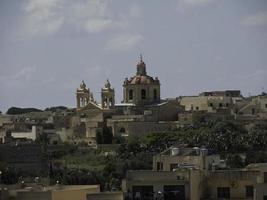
235	180
33	195
157	179
263	103
74	192
261	191
29	135
106	196
201	162
203	102
237	187
4	119
194	102
138	128
196	184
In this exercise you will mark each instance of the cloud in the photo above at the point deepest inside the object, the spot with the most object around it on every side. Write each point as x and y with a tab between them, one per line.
258	19
45	17
192	3
124	42
25	74
97	25
42	17
184	5
19	78
96	16
135	11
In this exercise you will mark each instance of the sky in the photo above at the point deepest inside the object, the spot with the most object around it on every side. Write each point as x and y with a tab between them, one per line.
48	46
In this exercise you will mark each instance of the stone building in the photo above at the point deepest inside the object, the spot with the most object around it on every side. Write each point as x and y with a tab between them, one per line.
141	111
211	101
193	173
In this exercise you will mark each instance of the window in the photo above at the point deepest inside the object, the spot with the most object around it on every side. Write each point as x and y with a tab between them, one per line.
122	130
197	108
227	104
249	191
265	177
174	192
130	94
155	94
142	192
173	166
220	105
253	111
159	166
211	104
143	94
265	197
223	192
266	105
110	101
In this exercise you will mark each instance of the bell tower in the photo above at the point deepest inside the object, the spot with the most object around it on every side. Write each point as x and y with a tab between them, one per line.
82	95
107	96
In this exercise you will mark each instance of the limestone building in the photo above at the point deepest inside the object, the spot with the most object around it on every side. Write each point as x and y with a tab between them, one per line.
193	173
142	110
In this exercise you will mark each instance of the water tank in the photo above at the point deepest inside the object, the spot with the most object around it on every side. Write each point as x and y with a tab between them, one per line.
197	150
175	151
203	152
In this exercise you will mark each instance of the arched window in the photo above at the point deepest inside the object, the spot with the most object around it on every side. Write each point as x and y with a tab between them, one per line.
110	101
143	94
155	94
131	94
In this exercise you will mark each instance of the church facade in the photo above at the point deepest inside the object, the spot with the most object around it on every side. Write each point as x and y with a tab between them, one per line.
142	110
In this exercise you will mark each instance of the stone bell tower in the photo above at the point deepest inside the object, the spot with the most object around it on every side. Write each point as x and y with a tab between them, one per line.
107	96
82	95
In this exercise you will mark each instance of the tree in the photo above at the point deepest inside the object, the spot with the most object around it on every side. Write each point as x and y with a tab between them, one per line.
257	136
235	161
17	111
56	108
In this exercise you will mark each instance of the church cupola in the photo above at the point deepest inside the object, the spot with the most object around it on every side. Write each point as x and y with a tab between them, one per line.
141	89
141	67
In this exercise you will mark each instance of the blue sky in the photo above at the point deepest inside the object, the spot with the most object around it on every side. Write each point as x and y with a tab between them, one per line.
48	46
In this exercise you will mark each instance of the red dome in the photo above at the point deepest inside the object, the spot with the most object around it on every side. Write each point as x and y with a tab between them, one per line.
140	79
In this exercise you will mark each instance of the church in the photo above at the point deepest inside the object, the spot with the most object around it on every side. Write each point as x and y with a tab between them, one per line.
141	111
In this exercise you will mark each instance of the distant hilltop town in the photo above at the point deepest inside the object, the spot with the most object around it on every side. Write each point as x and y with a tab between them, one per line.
208	146
141	111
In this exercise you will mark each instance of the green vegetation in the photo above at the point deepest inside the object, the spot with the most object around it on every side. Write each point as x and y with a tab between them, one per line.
56	108
222	137
18	111
107	165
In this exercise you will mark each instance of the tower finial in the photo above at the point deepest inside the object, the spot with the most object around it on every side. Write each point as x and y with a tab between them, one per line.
141	58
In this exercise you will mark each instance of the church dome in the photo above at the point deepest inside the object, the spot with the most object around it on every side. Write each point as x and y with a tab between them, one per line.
143	80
